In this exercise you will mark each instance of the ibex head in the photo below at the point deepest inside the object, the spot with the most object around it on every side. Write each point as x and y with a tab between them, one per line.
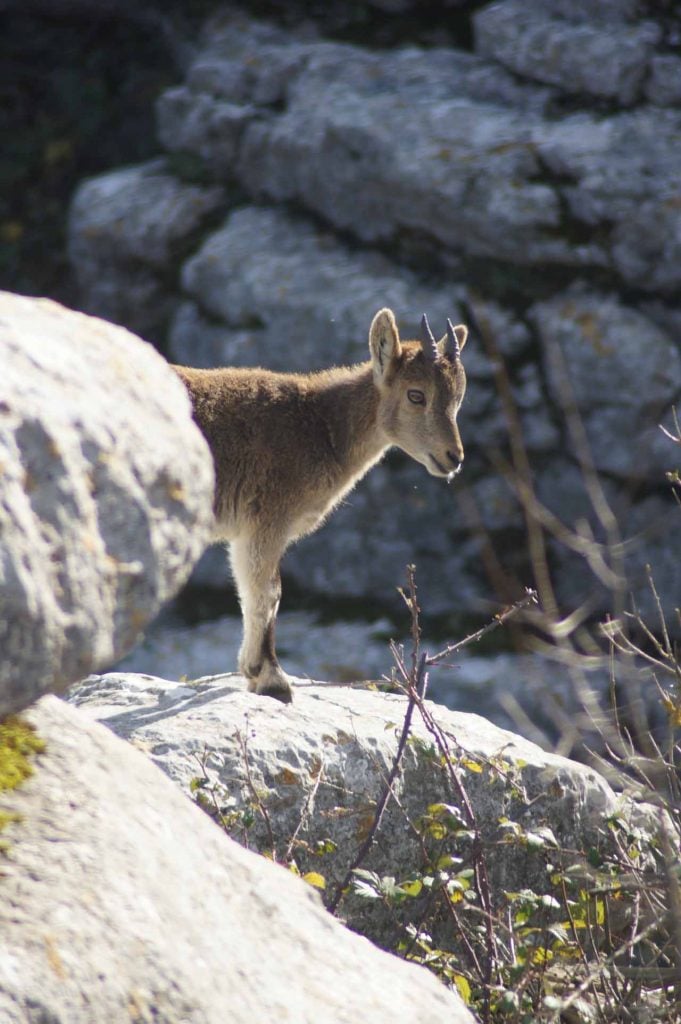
421	386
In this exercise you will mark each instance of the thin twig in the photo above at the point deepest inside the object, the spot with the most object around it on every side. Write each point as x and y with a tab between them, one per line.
255	795
499	619
385	796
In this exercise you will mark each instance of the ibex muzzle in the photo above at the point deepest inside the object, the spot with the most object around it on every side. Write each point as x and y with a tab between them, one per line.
288	447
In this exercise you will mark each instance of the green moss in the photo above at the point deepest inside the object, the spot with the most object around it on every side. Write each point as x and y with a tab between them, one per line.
19	744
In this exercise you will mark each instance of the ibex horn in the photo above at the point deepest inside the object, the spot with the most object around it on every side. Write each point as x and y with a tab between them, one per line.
452	348
428	342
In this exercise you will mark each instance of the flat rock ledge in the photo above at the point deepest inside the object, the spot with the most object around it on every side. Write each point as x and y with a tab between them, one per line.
318	769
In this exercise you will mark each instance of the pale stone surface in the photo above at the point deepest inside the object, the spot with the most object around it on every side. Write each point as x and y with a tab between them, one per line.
122	901
100	521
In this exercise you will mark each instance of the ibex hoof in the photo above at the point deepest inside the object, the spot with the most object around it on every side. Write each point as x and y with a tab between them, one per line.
276	686
283	695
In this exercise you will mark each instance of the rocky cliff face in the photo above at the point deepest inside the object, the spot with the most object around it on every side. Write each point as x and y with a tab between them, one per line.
528	185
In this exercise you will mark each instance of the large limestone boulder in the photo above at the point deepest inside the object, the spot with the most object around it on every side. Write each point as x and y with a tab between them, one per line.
123	902
105	494
319	768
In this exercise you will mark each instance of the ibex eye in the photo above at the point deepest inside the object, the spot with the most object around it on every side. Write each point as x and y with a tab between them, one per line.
417	397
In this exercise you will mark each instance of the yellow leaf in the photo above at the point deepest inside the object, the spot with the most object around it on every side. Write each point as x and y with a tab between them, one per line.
463	988
472	766
673	709
315	879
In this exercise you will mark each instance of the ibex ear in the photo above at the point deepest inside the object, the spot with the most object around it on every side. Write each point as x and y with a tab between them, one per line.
384	343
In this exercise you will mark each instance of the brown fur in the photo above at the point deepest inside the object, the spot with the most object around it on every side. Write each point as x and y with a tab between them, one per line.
287	447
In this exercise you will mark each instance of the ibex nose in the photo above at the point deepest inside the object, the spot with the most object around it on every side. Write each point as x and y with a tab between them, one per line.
456	458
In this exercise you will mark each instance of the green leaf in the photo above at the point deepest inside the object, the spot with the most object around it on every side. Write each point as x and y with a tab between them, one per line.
365	890
447	860
412	888
366	884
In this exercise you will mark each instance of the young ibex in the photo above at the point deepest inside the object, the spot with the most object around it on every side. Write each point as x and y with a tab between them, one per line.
287	447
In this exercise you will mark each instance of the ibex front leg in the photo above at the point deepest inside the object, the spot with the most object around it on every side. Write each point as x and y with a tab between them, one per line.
256	572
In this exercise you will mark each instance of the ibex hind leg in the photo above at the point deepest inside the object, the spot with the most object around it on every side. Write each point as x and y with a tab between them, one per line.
256	573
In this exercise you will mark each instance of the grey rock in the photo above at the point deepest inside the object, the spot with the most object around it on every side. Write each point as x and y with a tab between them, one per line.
378	146
306	298
126	228
607	167
625	568
246	61
195	339
577	56
646	247
331	753
202	125
540	433
123	901
663	85
651	529
496	504
100	521
605	11
666	316
621	372
274	289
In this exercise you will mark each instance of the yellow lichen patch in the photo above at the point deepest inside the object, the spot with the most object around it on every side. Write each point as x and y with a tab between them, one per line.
6	818
592	330
18	744
176	492
53	957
